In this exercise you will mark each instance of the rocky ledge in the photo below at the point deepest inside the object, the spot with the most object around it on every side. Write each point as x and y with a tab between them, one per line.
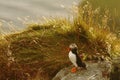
95	71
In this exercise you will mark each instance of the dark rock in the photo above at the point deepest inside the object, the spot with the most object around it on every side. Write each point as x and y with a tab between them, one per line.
115	72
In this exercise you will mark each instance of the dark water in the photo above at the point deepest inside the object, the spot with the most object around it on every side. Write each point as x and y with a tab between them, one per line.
17	11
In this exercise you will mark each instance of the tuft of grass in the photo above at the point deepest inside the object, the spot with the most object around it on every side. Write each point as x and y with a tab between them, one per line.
59	24
94	30
110	6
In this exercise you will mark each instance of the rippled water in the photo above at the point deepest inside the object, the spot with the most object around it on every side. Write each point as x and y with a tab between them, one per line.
12	11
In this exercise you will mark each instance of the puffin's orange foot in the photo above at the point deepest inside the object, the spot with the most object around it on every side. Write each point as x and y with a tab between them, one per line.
74	69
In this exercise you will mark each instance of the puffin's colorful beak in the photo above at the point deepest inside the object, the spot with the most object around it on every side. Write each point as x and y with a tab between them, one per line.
68	49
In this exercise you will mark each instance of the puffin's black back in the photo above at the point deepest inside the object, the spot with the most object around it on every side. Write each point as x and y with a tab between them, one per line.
79	61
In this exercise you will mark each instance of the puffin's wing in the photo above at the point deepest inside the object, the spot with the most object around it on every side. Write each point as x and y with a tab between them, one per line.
80	62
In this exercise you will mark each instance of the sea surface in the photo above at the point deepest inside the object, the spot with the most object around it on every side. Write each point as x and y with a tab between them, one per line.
15	13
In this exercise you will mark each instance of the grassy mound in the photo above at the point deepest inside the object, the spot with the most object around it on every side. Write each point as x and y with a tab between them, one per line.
40	47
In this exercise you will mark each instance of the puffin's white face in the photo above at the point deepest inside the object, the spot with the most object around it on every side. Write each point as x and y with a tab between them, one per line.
73	46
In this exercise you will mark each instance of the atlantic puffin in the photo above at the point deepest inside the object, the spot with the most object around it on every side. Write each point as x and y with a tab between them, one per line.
74	58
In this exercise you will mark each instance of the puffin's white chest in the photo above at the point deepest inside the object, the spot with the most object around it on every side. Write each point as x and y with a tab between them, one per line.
72	58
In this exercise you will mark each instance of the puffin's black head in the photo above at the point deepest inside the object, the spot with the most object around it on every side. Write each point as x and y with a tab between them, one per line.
73	47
